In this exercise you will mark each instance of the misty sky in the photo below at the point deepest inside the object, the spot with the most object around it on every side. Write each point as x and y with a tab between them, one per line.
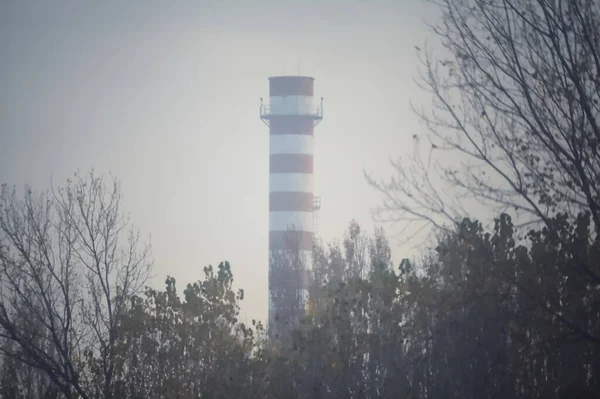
165	95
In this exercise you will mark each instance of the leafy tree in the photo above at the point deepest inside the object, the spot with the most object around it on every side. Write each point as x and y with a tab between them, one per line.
192	347
465	321
288	283
350	342
479	328
481	315
516	111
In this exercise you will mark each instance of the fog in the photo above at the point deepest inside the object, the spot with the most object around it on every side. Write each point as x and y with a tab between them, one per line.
501	301
165	96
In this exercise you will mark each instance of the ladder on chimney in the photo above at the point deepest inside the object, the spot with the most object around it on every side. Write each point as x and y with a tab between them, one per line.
316	209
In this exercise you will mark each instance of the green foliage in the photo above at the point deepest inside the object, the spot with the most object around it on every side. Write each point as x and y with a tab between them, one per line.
480	316
195	347
483	318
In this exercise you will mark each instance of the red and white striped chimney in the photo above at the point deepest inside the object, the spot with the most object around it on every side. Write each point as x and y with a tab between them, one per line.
291	116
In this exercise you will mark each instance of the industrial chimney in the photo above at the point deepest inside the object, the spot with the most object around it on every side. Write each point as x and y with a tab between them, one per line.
291	116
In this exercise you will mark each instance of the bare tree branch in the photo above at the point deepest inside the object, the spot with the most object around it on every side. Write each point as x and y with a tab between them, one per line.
66	270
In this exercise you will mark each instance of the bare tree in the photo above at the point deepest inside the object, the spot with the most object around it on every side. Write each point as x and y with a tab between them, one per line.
68	265
515	121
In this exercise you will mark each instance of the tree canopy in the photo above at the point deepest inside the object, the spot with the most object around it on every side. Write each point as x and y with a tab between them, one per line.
508	309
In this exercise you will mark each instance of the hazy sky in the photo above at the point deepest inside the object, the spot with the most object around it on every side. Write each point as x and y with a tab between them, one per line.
165	95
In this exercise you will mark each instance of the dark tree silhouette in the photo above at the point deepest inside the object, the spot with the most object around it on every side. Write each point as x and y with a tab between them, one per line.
68	266
515	119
